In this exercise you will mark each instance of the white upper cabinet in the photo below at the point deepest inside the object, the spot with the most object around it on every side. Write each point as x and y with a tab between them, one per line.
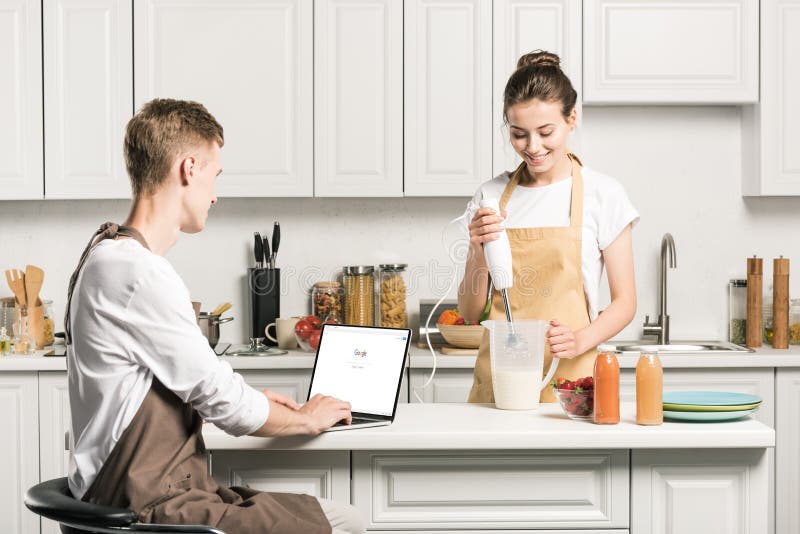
522	26
448	96
672	51
20	99
772	128
88	97
250	63
358	98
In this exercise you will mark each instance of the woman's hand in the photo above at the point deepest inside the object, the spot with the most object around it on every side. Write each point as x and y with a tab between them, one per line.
563	341
485	226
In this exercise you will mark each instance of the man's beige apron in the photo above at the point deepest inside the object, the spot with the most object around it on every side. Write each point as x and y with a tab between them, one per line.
159	468
548	284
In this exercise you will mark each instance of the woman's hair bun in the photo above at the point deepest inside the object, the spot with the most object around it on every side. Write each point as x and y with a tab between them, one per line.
539	58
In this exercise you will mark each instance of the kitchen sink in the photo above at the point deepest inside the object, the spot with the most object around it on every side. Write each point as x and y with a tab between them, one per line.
677	347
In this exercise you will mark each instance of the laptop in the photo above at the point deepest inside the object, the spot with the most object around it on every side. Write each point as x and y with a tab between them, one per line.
362	365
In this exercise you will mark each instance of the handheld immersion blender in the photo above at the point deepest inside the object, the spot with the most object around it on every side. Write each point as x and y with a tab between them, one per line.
498	259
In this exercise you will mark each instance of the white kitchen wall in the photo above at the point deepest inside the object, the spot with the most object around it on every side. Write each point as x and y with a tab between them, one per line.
680	166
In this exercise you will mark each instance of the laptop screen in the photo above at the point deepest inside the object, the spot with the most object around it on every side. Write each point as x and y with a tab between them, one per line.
361	365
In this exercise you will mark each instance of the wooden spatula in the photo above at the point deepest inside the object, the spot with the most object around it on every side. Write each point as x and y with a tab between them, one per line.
34	277
16	281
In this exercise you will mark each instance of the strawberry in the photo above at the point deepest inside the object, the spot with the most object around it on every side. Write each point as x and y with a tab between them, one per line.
460	321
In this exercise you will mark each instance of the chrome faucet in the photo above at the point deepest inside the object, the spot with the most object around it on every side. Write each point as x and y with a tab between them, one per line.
661	328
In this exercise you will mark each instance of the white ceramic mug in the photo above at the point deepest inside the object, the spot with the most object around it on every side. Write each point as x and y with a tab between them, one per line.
284	332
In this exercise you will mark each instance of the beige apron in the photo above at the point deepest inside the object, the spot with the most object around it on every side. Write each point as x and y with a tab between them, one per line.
159	467
548	284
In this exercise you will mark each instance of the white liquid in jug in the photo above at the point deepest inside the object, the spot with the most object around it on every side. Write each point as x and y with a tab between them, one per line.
516	390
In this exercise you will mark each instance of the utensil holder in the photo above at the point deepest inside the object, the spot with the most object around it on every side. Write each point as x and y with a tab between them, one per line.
264	286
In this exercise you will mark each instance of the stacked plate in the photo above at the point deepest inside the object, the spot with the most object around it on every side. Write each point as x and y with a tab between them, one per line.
709	405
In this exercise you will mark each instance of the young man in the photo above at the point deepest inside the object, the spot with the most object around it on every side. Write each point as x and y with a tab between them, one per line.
141	375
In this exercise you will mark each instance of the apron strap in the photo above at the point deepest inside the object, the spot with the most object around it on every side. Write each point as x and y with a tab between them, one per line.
576	203
107	230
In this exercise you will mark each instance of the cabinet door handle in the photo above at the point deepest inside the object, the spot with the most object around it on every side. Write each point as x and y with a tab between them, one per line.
66	440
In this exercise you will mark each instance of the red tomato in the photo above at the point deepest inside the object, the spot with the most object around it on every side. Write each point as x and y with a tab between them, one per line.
313	340
316	324
303	329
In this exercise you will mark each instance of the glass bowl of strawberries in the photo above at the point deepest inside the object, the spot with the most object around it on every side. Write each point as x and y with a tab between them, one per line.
576	397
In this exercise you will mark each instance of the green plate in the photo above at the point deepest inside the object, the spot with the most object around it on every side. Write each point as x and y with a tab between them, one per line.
694	408
707	416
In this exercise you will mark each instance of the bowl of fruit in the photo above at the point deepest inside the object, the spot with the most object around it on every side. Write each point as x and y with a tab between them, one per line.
458	332
308	331
576	397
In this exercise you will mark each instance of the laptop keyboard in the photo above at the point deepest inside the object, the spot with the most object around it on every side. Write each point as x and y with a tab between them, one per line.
356	420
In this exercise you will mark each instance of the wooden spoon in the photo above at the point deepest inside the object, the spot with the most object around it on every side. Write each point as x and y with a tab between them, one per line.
16	281
34	277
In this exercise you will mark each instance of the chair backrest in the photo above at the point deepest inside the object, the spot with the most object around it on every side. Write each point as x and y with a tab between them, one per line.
53	500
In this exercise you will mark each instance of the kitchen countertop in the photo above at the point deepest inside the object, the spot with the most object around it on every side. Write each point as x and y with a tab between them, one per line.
481	426
422	359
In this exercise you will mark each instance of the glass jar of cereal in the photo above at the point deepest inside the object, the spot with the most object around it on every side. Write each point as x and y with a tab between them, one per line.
327	301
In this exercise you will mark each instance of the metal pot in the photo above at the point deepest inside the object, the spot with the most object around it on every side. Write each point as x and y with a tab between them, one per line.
209	326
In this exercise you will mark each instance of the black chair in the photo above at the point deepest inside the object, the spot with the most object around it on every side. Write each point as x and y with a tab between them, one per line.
53	500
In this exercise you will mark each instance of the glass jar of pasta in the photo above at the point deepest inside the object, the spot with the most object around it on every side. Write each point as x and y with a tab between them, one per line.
392	290
359	289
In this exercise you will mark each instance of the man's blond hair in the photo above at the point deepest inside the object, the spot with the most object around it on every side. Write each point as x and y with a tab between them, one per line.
163	130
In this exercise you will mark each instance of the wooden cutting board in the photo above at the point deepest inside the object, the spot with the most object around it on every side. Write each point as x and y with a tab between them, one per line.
455	351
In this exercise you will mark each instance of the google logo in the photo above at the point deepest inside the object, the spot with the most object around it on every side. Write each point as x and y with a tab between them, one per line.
360	353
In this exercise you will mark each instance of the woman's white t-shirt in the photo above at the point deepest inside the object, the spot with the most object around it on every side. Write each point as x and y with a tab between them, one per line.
606	212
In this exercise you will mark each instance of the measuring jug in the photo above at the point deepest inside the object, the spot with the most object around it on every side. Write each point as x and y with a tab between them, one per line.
517	357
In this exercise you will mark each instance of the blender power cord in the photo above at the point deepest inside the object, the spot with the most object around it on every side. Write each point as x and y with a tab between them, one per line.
470	209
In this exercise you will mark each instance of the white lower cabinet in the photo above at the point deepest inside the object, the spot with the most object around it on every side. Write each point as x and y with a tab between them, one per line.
759	382
699	492
19	454
54	423
448	385
324	474
425	490
787	447
291	382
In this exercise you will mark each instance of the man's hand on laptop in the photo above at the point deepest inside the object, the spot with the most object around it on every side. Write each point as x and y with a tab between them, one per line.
287	418
324	412
280	398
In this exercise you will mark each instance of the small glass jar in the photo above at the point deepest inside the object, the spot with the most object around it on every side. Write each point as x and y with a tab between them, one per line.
359	287
5	341
794	321
49	316
737	307
766	320
392	292
23	341
327	301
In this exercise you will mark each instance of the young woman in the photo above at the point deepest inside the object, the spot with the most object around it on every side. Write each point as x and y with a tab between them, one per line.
564	222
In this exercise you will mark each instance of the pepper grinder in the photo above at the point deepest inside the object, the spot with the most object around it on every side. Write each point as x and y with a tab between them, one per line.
780	302
754	300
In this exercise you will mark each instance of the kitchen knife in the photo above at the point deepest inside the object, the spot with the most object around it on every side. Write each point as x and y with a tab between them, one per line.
258	250
267	253
276	241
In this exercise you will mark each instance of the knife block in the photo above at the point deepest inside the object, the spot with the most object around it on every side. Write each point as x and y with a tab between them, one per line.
264	286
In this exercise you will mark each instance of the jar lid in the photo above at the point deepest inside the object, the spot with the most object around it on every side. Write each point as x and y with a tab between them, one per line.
358	269
393	266
738	282
327	285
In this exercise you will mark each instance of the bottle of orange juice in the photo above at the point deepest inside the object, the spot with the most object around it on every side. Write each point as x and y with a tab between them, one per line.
649	390
606	389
